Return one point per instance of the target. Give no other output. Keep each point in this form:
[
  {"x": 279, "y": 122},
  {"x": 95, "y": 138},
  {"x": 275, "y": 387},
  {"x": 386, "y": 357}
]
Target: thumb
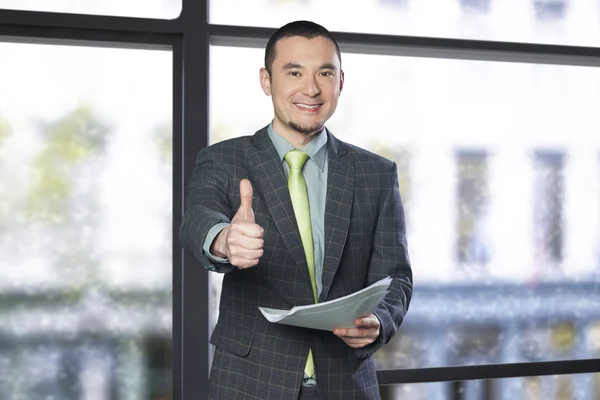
[{"x": 245, "y": 211}]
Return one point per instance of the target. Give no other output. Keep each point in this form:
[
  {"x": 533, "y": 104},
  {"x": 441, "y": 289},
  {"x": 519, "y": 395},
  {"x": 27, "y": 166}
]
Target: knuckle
[{"x": 233, "y": 238}]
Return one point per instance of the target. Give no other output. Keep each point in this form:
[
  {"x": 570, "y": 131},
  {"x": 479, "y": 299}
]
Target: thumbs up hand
[
  {"x": 245, "y": 213},
  {"x": 241, "y": 242}
]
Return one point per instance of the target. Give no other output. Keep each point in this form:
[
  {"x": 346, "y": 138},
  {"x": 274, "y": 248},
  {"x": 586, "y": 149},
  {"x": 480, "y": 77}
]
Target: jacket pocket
[{"x": 232, "y": 338}]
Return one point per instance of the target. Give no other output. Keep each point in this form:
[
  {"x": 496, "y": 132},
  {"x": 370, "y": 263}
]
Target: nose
[{"x": 311, "y": 87}]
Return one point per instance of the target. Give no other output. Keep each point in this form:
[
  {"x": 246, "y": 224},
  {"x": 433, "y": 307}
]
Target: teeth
[{"x": 307, "y": 106}]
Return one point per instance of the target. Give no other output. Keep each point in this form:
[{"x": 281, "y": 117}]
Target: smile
[{"x": 308, "y": 107}]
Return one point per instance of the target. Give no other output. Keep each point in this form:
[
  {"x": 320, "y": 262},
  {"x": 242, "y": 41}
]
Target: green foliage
[
  {"x": 163, "y": 135},
  {"x": 5, "y": 131},
  {"x": 71, "y": 140},
  {"x": 220, "y": 131}
]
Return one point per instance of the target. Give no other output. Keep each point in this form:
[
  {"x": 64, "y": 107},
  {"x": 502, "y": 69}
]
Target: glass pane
[
  {"x": 499, "y": 169},
  {"x": 558, "y": 387},
  {"x": 85, "y": 223},
  {"x": 164, "y": 9},
  {"x": 575, "y": 22}
]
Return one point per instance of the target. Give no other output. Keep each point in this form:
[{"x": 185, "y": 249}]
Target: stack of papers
[{"x": 338, "y": 313}]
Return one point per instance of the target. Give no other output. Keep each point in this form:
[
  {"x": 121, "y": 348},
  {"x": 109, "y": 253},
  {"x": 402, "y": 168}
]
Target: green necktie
[{"x": 299, "y": 195}]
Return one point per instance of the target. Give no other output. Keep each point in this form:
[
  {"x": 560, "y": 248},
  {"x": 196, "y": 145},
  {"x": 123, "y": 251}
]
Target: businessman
[{"x": 291, "y": 215}]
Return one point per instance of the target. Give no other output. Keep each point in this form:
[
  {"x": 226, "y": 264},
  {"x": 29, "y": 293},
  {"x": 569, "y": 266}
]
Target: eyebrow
[
  {"x": 293, "y": 65},
  {"x": 328, "y": 66}
]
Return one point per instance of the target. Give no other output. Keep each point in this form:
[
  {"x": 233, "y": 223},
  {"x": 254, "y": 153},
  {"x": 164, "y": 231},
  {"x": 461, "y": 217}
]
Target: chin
[{"x": 305, "y": 129}]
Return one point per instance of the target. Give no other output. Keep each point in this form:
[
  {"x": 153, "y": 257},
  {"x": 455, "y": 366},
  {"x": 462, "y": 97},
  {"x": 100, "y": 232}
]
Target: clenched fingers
[
  {"x": 247, "y": 229},
  {"x": 245, "y": 242}
]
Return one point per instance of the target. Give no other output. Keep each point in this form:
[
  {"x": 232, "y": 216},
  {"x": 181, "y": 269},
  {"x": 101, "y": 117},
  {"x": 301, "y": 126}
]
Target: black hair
[{"x": 305, "y": 29}]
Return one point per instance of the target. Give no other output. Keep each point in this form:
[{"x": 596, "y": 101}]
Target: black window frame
[{"x": 190, "y": 36}]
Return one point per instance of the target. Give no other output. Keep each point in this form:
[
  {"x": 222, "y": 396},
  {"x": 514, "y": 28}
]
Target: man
[{"x": 289, "y": 227}]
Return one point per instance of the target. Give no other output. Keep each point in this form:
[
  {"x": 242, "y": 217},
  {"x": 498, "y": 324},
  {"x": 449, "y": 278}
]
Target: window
[
  {"x": 480, "y": 6},
  {"x": 88, "y": 129},
  {"x": 473, "y": 208},
  {"x": 564, "y": 22},
  {"x": 85, "y": 222},
  {"x": 553, "y": 387},
  {"x": 550, "y": 9},
  {"x": 166, "y": 9},
  {"x": 394, "y": 3},
  {"x": 596, "y": 245},
  {"x": 548, "y": 203},
  {"x": 475, "y": 194}
]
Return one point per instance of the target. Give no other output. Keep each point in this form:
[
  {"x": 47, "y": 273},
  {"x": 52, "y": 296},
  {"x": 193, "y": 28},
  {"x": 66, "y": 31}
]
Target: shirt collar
[{"x": 316, "y": 148}]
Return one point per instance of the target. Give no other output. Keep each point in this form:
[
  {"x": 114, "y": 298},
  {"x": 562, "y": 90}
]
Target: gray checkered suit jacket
[{"x": 364, "y": 242}]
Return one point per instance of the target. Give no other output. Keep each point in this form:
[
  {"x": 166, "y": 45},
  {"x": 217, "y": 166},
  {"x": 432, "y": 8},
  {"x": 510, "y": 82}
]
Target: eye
[
  {"x": 327, "y": 73},
  {"x": 295, "y": 73}
]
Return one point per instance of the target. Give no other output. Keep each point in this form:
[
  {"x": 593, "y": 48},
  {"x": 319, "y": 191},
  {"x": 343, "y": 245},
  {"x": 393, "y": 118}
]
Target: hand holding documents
[{"x": 338, "y": 313}]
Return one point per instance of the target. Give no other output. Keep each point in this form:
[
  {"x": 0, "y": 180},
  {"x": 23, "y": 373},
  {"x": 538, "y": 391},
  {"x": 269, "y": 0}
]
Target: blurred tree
[
  {"x": 163, "y": 139},
  {"x": 159, "y": 348},
  {"x": 5, "y": 132},
  {"x": 72, "y": 141},
  {"x": 163, "y": 135},
  {"x": 61, "y": 204},
  {"x": 220, "y": 131}
]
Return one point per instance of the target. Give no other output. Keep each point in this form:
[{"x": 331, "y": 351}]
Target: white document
[{"x": 338, "y": 313}]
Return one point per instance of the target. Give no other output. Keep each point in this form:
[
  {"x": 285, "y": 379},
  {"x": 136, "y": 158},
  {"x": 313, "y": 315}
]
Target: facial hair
[{"x": 303, "y": 129}]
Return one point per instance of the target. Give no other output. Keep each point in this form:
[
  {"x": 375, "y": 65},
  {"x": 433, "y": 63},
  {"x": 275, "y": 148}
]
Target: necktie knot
[{"x": 296, "y": 158}]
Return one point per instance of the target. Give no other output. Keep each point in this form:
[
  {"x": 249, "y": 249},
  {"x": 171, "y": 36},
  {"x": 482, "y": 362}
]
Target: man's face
[{"x": 305, "y": 83}]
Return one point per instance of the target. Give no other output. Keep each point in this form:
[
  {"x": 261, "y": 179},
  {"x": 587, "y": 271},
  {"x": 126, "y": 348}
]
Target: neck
[{"x": 297, "y": 139}]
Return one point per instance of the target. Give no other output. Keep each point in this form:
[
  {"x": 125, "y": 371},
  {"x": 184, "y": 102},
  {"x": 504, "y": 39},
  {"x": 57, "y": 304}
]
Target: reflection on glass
[
  {"x": 165, "y": 9},
  {"x": 474, "y": 139},
  {"x": 557, "y": 387},
  {"x": 85, "y": 223},
  {"x": 575, "y": 22}
]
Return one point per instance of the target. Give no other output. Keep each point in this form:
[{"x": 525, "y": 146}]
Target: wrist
[{"x": 217, "y": 247}]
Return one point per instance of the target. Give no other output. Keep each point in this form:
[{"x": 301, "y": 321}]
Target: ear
[
  {"x": 341, "y": 81},
  {"x": 265, "y": 81}
]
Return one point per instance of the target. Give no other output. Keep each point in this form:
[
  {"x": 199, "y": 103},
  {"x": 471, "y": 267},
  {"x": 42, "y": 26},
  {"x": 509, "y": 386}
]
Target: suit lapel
[
  {"x": 338, "y": 208},
  {"x": 273, "y": 186}
]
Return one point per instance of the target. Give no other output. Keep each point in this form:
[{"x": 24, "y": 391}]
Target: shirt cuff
[{"x": 210, "y": 237}]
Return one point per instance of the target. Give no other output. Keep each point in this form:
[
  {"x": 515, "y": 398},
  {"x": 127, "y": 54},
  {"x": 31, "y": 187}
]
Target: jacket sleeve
[
  {"x": 207, "y": 204},
  {"x": 390, "y": 258}
]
